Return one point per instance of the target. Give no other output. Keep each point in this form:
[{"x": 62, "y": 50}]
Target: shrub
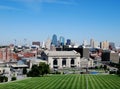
[
  {"x": 13, "y": 78},
  {"x": 57, "y": 72},
  {"x": 101, "y": 66},
  {"x": 24, "y": 71},
  {"x": 118, "y": 72},
  {"x": 96, "y": 67},
  {"x": 3, "y": 79},
  {"x": 6, "y": 79},
  {"x": 112, "y": 72}
]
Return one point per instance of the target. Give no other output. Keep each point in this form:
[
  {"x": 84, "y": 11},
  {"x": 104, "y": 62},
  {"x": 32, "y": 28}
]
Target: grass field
[{"x": 66, "y": 82}]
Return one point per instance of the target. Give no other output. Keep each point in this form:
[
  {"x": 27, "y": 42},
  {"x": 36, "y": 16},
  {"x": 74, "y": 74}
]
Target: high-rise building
[
  {"x": 48, "y": 44},
  {"x": 43, "y": 44},
  {"x": 111, "y": 45},
  {"x": 104, "y": 45},
  {"x": 58, "y": 43},
  {"x": 62, "y": 40},
  {"x": 54, "y": 40},
  {"x": 96, "y": 44},
  {"x": 68, "y": 42},
  {"x": 92, "y": 43},
  {"x": 85, "y": 42}
]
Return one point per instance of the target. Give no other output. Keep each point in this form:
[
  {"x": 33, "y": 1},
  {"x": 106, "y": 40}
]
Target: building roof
[
  {"x": 62, "y": 53},
  {"x": 34, "y": 60},
  {"x": 38, "y": 61},
  {"x": 19, "y": 66}
]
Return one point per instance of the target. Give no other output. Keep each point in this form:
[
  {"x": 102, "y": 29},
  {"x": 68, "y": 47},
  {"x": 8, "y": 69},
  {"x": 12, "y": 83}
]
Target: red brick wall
[
  {"x": 29, "y": 55},
  {"x": 1, "y": 55}
]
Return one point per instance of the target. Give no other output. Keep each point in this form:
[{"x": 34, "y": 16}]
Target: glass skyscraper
[
  {"x": 54, "y": 40},
  {"x": 62, "y": 40},
  {"x": 68, "y": 42}
]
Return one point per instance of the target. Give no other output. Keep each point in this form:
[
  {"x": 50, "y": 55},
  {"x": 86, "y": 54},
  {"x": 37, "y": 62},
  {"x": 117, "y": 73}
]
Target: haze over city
[{"x": 74, "y": 19}]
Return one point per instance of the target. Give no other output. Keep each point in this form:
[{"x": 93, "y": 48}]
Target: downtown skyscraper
[
  {"x": 54, "y": 40},
  {"x": 62, "y": 40}
]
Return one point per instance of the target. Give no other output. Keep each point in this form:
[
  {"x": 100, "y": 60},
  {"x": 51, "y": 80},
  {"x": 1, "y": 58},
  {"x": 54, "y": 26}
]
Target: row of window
[{"x": 55, "y": 62}]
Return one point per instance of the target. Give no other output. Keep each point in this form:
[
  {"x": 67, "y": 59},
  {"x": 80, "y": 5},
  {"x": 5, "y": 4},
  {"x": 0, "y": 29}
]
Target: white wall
[{"x": 68, "y": 62}]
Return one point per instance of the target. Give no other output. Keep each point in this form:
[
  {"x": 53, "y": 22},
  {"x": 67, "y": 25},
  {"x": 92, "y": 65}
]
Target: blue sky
[{"x": 36, "y": 20}]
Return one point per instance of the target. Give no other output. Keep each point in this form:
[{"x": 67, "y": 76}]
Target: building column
[
  {"x": 68, "y": 62},
  {"x": 50, "y": 62},
  {"x": 60, "y": 63},
  {"x": 77, "y": 62}
]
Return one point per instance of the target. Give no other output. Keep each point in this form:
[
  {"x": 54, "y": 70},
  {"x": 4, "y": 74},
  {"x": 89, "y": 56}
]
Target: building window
[
  {"x": 55, "y": 62},
  {"x": 64, "y": 62},
  {"x": 72, "y": 61}
]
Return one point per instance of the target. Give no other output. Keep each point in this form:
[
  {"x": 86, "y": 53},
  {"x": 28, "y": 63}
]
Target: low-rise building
[{"x": 114, "y": 57}]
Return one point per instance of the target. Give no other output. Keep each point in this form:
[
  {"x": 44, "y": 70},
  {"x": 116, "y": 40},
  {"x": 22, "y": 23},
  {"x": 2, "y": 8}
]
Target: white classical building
[
  {"x": 61, "y": 59},
  {"x": 65, "y": 59}
]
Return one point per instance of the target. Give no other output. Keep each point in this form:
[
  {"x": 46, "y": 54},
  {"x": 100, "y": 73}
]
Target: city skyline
[{"x": 78, "y": 20}]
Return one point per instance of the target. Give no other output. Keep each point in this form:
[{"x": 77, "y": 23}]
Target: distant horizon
[
  {"x": 28, "y": 42},
  {"x": 78, "y": 20}
]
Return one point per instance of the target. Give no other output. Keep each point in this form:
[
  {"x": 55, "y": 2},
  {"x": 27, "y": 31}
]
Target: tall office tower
[
  {"x": 54, "y": 40},
  {"x": 104, "y": 45},
  {"x": 43, "y": 44},
  {"x": 96, "y": 44},
  {"x": 68, "y": 42},
  {"x": 85, "y": 42},
  {"x": 48, "y": 44},
  {"x": 62, "y": 40},
  {"x": 92, "y": 43}
]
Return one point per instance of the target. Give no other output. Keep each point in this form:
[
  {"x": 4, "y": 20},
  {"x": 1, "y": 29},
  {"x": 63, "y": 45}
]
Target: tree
[
  {"x": 43, "y": 68},
  {"x": 34, "y": 71},
  {"x": 105, "y": 67},
  {"x": 101, "y": 67},
  {"x": 39, "y": 70}
]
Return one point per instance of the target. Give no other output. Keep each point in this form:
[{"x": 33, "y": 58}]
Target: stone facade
[
  {"x": 62, "y": 59},
  {"x": 114, "y": 57}
]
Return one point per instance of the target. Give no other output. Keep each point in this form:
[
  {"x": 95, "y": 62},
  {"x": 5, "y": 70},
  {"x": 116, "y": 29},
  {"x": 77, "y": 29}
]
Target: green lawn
[{"x": 66, "y": 82}]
